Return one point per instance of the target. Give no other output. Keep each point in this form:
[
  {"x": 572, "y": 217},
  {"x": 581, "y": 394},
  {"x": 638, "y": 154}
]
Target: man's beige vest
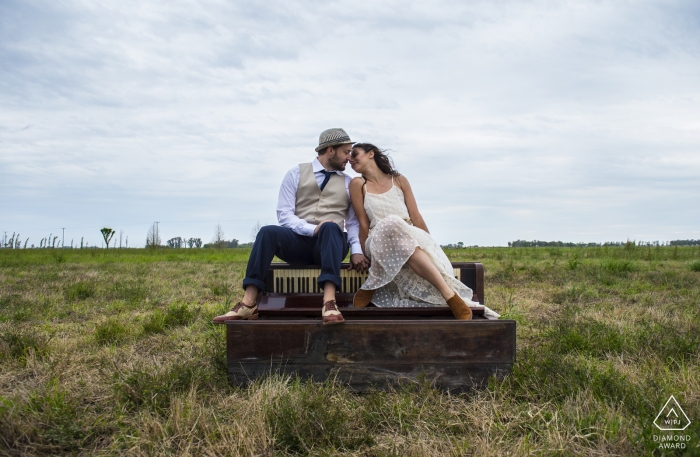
[{"x": 315, "y": 206}]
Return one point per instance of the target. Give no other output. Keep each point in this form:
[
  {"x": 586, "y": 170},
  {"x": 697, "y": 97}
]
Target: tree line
[{"x": 561, "y": 244}]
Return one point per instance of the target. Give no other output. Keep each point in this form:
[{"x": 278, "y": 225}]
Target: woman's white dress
[{"x": 392, "y": 240}]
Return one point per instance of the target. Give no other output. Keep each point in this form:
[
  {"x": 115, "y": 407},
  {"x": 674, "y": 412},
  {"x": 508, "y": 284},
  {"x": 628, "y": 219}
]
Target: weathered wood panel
[
  {"x": 366, "y": 353},
  {"x": 454, "y": 377},
  {"x": 309, "y": 305}
]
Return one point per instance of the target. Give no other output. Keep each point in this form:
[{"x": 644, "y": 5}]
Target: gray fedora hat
[{"x": 332, "y": 137}]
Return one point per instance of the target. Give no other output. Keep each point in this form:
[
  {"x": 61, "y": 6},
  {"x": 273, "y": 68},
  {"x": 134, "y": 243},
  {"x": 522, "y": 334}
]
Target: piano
[{"x": 375, "y": 348}]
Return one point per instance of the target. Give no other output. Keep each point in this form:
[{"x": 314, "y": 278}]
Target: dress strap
[
  {"x": 395, "y": 182},
  {"x": 364, "y": 191}
]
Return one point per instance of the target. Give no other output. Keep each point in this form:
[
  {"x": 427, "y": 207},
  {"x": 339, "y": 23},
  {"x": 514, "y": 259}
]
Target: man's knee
[
  {"x": 268, "y": 232},
  {"x": 330, "y": 229}
]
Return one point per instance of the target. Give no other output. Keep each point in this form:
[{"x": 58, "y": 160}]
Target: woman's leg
[
  {"x": 421, "y": 264},
  {"x": 424, "y": 267}
]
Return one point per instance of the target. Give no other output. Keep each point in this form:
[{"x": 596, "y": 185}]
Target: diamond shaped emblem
[{"x": 672, "y": 416}]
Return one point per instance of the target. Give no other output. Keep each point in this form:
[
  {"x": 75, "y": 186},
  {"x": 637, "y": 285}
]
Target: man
[{"x": 313, "y": 208}]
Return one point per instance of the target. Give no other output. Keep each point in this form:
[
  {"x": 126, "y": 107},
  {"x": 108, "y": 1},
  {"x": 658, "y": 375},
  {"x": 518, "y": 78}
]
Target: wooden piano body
[{"x": 375, "y": 347}]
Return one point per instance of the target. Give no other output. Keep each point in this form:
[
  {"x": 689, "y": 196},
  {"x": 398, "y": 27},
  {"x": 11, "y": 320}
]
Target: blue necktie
[{"x": 325, "y": 180}]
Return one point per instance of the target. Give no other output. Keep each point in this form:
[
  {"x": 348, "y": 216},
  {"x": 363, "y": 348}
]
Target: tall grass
[{"x": 112, "y": 353}]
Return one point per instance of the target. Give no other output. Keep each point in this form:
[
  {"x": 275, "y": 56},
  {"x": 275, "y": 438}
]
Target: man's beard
[{"x": 335, "y": 163}]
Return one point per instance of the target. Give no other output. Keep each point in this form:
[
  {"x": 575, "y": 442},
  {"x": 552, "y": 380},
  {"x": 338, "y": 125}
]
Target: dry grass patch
[{"x": 112, "y": 353}]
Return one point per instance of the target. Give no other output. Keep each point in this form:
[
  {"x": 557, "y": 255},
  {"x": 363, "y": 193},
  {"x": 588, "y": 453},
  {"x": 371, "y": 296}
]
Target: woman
[{"x": 394, "y": 236}]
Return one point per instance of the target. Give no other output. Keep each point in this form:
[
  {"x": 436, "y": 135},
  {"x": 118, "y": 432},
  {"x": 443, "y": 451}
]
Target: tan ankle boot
[
  {"x": 362, "y": 298},
  {"x": 459, "y": 308}
]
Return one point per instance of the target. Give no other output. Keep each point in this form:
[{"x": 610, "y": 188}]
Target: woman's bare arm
[
  {"x": 410, "y": 200},
  {"x": 358, "y": 199}
]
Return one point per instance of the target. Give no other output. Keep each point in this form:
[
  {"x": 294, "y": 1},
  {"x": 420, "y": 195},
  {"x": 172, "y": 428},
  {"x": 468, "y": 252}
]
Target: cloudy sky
[{"x": 551, "y": 120}]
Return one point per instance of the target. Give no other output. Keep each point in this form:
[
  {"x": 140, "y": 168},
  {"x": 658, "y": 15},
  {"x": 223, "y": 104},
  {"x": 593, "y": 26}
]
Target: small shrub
[
  {"x": 153, "y": 388},
  {"x": 111, "y": 332},
  {"x": 61, "y": 419},
  {"x": 695, "y": 265},
  {"x": 589, "y": 337},
  {"x": 131, "y": 291},
  {"x": 155, "y": 323},
  {"x": 555, "y": 252},
  {"x": 575, "y": 293},
  {"x": 22, "y": 314},
  {"x": 179, "y": 315},
  {"x": 15, "y": 308},
  {"x": 311, "y": 416},
  {"x": 58, "y": 256},
  {"x": 10, "y": 301},
  {"x": 219, "y": 288},
  {"x": 18, "y": 343},
  {"x": 618, "y": 265},
  {"x": 176, "y": 315},
  {"x": 79, "y": 291},
  {"x": 574, "y": 262}
]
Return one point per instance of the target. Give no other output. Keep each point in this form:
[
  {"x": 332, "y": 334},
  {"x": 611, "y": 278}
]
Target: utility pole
[
  {"x": 4, "y": 240},
  {"x": 63, "y": 237}
]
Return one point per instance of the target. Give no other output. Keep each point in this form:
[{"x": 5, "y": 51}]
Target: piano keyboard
[{"x": 304, "y": 281}]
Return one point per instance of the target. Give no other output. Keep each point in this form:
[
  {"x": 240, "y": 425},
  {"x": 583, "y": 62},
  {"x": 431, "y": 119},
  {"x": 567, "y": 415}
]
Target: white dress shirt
[{"x": 286, "y": 206}]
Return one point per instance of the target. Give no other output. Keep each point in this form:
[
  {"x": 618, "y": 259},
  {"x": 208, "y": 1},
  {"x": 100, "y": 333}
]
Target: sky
[{"x": 551, "y": 120}]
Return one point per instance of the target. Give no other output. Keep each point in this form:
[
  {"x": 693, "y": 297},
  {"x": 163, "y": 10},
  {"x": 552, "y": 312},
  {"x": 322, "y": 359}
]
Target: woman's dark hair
[{"x": 384, "y": 162}]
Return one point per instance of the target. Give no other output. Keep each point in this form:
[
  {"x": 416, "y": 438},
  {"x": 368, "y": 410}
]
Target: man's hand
[
  {"x": 319, "y": 226},
  {"x": 359, "y": 262}
]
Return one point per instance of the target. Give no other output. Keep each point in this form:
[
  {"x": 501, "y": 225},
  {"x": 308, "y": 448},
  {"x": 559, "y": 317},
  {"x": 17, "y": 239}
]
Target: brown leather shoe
[
  {"x": 239, "y": 312},
  {"x": 330, "y": 313},
  {"x": 362, "y": 298},
  {"x": 460, "y": 309}
]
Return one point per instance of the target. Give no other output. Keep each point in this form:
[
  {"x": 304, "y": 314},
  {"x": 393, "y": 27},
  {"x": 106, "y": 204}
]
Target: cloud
[{"x": 511, "y": 119}]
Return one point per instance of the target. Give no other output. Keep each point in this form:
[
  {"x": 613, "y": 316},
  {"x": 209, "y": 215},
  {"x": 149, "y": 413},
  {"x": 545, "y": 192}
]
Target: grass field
[{"x": 112, "y": 353}]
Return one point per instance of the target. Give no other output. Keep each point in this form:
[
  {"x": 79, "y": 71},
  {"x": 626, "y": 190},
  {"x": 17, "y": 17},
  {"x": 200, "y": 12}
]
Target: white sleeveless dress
[{"x": 392, "y": 240}]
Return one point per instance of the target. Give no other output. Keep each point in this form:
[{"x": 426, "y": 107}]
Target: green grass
[{"x": 112, "y": 353}]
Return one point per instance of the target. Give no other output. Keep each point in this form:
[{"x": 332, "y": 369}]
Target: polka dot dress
[{"x": 392, "y": 240}]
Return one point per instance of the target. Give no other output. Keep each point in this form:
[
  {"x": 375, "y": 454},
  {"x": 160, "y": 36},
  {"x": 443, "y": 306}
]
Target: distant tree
[
  {"x": 153, "y": 237},
  {"x": 218, "y": 239},
  {"x": 107, "y": 234},
  {"x": 25, "y": 243},
  {"x": 194, "y": 242},
  {"x": 254, "y": 231},
  {"x": 684, "y": 242},
  {"x": 176, "y": 242}
]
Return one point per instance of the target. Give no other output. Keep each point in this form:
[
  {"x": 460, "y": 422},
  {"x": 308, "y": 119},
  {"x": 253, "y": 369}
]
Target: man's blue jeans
[{"x": 326, "y": 250}]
